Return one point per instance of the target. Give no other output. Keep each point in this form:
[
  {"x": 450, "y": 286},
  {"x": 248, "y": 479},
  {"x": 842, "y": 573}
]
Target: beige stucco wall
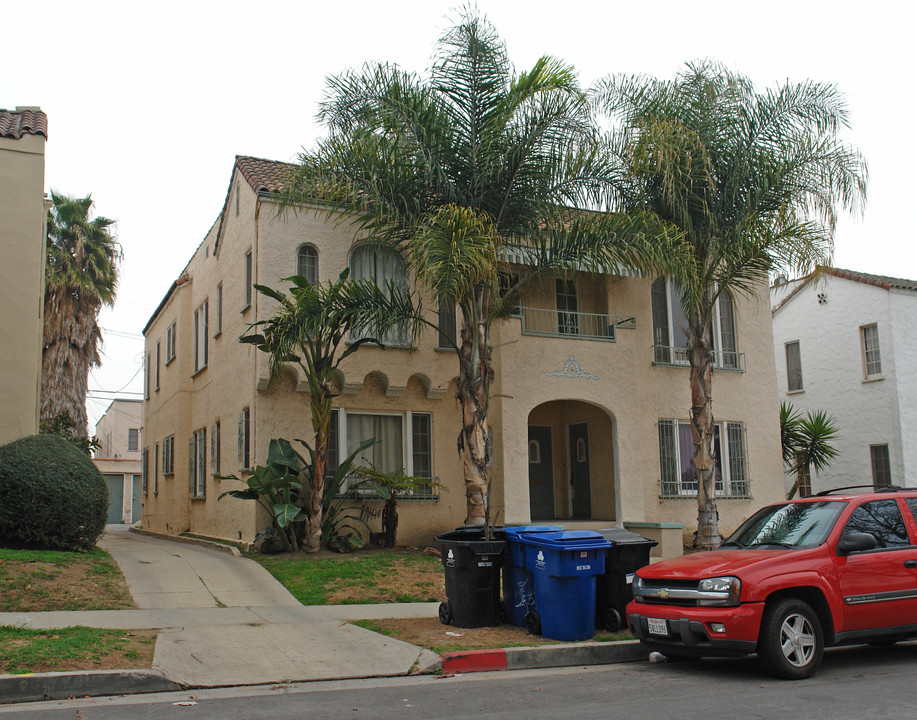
[
  {"x": 634, "y": 394},
  {"x": 622, "y": 403},
  {"x": 22, "y": 238}
]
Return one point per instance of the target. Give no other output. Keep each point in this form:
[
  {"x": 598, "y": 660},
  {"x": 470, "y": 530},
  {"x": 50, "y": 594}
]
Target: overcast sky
[{"x": 149, "y": 103}]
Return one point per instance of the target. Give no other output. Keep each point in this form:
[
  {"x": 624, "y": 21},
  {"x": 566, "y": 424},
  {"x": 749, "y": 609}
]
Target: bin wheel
[
  {"x": 612, "y": 620},
  {"x": 445, "y": 613},
  {"x": 533, "y": 623}
]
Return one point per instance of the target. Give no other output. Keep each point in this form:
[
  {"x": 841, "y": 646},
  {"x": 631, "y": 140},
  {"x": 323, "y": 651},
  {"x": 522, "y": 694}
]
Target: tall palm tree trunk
[
  {"x": 708, "y": 536},
  {"x": 71, "y": 337},
  {"x": 474, "y": 440},
  {"x": 320, "y": 406}
]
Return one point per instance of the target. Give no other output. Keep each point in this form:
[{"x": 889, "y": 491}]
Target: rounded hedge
[{"x": 51, "y": 495}]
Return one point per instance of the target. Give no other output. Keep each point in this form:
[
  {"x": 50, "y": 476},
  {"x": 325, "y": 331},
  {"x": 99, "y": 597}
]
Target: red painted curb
[{"x": 474, "y": 661}]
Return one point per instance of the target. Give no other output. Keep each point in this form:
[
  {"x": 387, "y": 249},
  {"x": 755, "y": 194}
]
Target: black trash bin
[
  {"x": 628, "y": 553},
  {"x": 472, "y": 569}
]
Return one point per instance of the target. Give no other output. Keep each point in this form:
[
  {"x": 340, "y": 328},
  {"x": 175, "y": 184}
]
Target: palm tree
[
  {"x": 314, "y": 327},
  {"x": 753, "y": 180},
  {"x": 455, "y": 168},
  {"x": 81, "y": 274},
  {"x": 806, "y": 443}
]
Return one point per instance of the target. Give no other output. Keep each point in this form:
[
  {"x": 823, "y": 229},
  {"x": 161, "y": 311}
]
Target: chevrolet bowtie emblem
[{"x": 663, "y": 593}]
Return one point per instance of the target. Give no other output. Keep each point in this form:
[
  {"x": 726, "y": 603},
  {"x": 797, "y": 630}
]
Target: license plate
[{"x": 657, "y": 626}]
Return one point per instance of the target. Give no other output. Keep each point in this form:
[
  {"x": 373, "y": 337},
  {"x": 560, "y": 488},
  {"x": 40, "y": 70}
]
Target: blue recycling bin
[
  {"x": 564, "y": 566},
  {"x": 518, "y": 581}
]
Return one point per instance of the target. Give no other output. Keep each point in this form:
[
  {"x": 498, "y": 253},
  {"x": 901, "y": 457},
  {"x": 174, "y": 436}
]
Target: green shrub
[{"x": 51, "y": 495}]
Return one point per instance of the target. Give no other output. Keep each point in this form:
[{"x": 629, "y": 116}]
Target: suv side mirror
[{"x": 856, "y": 542}]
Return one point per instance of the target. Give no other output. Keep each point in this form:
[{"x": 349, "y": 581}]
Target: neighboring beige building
[
  {"x": 589, "y": 406},
  {"x": 23, "y": 218},
  {"x": 118, "y": 458}
]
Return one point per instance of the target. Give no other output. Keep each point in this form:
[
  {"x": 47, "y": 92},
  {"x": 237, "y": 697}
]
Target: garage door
[{"x": 115, "y": 497}]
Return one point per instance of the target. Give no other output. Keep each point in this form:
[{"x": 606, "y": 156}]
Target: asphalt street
[{"x": 854, "y": 683}]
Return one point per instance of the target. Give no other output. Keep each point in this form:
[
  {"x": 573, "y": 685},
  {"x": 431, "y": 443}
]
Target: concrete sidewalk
[{"x": 224, "y": 620}]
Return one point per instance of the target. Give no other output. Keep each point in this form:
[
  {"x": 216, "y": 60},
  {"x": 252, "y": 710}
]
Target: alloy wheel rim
[{"x": 797, "y": 640}]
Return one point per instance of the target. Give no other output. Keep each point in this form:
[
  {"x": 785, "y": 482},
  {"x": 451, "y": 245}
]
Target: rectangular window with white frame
[
  {"x": 670, "y": 328},
  {"x": 201, "y": 336},
  {"x": 133, "y": 439},
  {"x": 872, "y": 360},
  {"x": 676, "y": 460},
  {"x": 170, "y": 343},
  {"x": 247, "y": 289},
  {"x": 219, "y": 328},
  {"x": 403, "y": 442},
  {"x": 793, "y": 367},
  {"x": 197, "y": 464}
]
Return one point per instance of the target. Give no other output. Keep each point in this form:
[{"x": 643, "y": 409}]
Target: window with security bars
[
  {"x": 168, "y": 455},
  {"x": 676, "y": 460},
  {"x": 881, "y": 465},
  {"x": 872, "y": 359}
]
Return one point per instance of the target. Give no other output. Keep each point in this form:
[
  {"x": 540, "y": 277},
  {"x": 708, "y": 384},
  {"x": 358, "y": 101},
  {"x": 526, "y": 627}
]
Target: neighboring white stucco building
[
  {"x": 118, "y": 458},
  {"x": 846, "y": 343}
]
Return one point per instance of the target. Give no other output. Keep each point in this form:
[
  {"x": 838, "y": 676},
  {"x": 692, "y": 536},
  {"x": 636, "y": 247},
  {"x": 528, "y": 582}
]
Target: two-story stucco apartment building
[
  {"x": 590, "y": 400},
  {"x": 118, "y": 458}
]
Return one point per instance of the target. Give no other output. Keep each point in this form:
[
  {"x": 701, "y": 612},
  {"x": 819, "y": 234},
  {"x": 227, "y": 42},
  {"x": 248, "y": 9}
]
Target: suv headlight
[{"x": 719, "y": 591}]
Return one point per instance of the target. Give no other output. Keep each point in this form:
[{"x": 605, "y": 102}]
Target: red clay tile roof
[
  {"x": 263, "y": 175},
  {"x": 23, "y": 121},
  {"x": 883, "y": 281}
]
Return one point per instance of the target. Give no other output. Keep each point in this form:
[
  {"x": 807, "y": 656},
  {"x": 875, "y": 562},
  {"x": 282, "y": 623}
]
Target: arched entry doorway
[{"x": 571, "y": 462}]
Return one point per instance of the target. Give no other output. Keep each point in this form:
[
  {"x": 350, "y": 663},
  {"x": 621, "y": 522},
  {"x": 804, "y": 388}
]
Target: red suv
[{"x": 837, "y": 568}]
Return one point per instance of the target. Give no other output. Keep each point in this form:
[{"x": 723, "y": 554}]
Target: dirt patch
[
  {"x": 431, "y": 633},
  {"x": 407, "y": 580},
  {"x": 29, "y": 586}
]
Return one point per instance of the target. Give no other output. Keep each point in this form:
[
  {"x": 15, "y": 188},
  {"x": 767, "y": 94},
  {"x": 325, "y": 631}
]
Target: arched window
[
  {"x": 307, "y": 263},
  {"x": 385, "y": 267}
]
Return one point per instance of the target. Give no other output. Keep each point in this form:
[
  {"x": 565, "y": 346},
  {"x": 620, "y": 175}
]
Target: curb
[
  {"x": 92, "y": 683},
  {"x": 545, "y": 656}
]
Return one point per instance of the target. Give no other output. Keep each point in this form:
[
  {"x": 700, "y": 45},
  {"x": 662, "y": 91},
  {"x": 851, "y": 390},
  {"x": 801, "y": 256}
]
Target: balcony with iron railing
[
  {"x": 727, "y": 360},
  {"x": 544, "y": 322}
]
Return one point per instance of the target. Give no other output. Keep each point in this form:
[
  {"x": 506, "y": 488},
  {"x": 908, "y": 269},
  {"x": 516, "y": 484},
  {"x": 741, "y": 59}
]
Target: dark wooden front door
[
  {"x": 541, "y": 473},
  {"x": 579, "y": 471}
]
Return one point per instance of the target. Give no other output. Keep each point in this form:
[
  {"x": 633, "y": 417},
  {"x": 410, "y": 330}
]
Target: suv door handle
[{"x": 910, "y": 563}]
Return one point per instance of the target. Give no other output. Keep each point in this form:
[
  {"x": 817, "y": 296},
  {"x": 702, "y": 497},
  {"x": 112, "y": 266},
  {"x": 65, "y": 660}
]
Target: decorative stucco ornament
[{"x": 573, "y": 371}]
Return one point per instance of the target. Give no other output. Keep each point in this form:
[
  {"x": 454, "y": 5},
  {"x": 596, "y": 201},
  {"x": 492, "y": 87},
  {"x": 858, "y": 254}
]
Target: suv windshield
[{"x": 799, "y": 524}]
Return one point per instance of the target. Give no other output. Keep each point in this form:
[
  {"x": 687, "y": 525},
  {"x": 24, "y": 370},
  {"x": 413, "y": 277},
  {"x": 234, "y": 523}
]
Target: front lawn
[
  {"x": 36, "y": 580},
  {"x": 369, "y": 576},
  {"x": 25, "y": 650}
]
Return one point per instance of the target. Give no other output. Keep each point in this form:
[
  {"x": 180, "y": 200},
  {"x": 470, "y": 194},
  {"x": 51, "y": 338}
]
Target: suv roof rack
[{"x": 873, "y": 488}]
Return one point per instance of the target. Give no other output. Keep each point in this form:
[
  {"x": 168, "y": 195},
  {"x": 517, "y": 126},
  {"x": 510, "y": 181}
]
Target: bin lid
[
  {"x": 566, "y": 540},
  {"x": 514, "y": 532},
  {"x": 620, "y": 536}
]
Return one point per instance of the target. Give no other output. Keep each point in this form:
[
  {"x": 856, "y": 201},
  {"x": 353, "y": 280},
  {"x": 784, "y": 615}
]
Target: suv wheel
[{"x": 791, "y": 644}]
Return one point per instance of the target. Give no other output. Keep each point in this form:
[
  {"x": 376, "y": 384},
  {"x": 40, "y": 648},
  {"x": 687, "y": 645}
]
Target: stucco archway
[{"x": 571, "y": 453}]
